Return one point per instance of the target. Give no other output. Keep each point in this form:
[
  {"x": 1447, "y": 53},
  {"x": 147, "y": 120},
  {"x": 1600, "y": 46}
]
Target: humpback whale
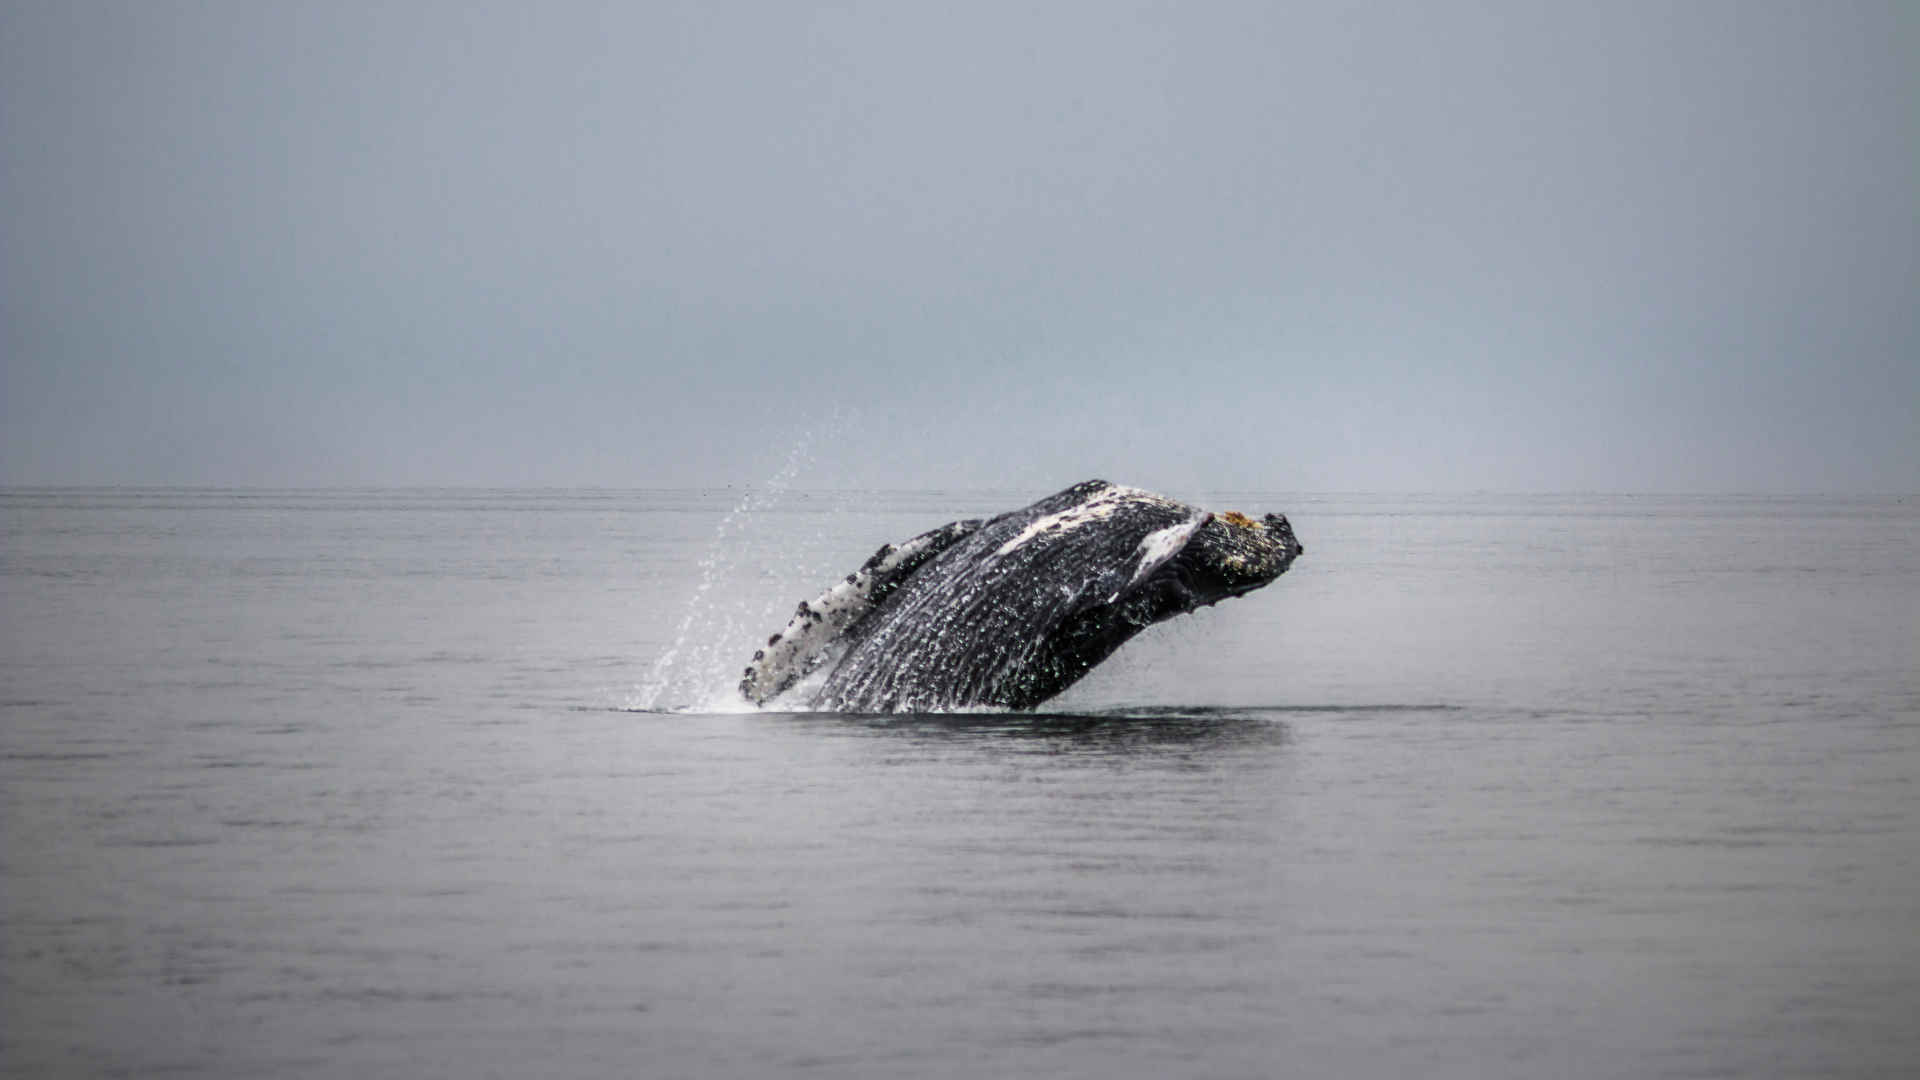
[{"x": 1009, "y": 611}]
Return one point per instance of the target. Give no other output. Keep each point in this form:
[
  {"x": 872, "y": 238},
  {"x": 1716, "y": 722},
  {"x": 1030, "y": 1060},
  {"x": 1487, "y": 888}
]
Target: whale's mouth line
[{"x": 1238, "y": 591}]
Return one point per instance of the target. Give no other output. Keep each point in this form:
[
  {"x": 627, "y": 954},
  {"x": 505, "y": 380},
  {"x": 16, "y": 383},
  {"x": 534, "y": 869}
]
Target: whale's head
[{"x": 1231, "y": 554}]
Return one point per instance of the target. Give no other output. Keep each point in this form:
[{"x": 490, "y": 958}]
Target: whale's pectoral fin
[{"x": 818, "y": 628}]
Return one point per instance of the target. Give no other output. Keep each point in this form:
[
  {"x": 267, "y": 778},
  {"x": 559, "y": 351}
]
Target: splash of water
[{"x": 698, "y": 671}]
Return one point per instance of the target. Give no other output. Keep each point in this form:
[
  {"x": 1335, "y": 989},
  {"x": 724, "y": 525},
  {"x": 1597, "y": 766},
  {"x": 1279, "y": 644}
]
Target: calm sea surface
[{"x": 449, "y": 783}]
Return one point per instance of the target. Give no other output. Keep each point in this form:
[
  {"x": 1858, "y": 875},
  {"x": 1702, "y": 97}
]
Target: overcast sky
[{"x": 1430, "y": 246}]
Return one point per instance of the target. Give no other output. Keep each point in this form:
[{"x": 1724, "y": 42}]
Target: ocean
[{"x": 455, "y": 783}]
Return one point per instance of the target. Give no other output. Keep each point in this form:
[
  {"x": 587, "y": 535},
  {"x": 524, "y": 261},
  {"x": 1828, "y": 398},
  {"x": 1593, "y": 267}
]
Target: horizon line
[{"x": 956, "y": 489}]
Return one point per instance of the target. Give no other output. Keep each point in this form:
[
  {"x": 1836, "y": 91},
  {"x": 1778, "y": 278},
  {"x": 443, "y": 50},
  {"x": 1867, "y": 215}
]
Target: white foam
[{"x": 697, "y": 661}]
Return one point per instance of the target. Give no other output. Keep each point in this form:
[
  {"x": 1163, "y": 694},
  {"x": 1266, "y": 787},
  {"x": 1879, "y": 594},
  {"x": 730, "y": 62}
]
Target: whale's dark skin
[{"x": 1010, "y": 611}]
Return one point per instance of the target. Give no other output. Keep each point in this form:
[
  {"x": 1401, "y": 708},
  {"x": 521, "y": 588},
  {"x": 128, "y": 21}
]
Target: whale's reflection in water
[
  {"x": 1105, "y": 731},
  {"x": 1124, "y": 729}
]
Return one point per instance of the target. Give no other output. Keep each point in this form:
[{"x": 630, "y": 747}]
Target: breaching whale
[{"x": 1011, "y": 610}]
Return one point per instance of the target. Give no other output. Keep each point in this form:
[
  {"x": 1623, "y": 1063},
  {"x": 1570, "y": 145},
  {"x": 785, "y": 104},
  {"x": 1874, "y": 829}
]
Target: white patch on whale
[
  {"x": 1158, "y": 546},
  {"x": 1097, "y": 508}
]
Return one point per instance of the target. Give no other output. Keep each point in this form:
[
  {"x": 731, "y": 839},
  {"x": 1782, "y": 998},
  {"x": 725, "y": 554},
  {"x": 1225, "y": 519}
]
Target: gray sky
[{"x": 1620, "y": 246}]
